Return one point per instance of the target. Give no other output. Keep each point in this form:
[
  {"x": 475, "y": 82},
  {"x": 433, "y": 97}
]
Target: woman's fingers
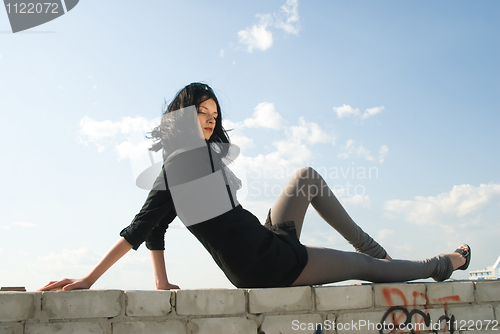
[
  {"x": 56, "y": 285},
  {"x": 79, "y": 284},
  {"x": 71, "y": 286},
  {"x": 46, "y": 285},
  {"x": 50, "y": 286},
  {"x": 66, "y": 284}
]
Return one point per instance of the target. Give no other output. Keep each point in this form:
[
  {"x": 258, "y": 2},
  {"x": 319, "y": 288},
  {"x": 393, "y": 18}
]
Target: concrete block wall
[{"x": 411, "y": 307}]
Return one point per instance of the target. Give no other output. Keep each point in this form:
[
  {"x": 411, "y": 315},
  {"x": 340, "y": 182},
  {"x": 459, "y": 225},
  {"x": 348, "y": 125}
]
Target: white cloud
[
  {"x": 288, "y": 19},
  {"x": 293, "y": 150},
  {"x": 230, "y": 125},
  {"x": 346, "y": 111},
  {"x": 65, "y": 261},
  {"x": 242, "y": 141},
  {"x": 382, "y": 153},
  {"x": 448, "y": 229},
  {"x": 357, "y": 200},
  {"x": 25, "y": 224},
  {"x": 130, "y": 150},
  {"x": 288, "y": 154},
  {"x": 236, "y": 135},
  {"x": 257, "y": 36},
  {"x": 384, "y": 234},
  {"x": 100, "y": 133},
  {"x": 221, "y": 53},
  {"x": 372, "y": 111},
  {"x": 135, "y": 260},
  {"x": 349, "y": 150},
  {"x": 0, "y": 56},
  {"x": 264, "y": 116},
  {"x": 310, "y": 132},
  {"x": 95, "y": 130},
  {"x": 404, "y": 250},
  {"x": 462, "y": 201},
  {"x": 22, "y": 224},
  {"x": 282, "y": 162}
]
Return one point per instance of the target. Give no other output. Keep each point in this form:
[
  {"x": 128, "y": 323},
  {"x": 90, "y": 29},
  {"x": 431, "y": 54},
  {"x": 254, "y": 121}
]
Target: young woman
[{"x": 196, "y": 185}]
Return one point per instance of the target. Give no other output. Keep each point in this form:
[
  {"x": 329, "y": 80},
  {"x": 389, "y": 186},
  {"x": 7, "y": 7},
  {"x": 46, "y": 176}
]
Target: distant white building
[{"x": 492, "y": 272}]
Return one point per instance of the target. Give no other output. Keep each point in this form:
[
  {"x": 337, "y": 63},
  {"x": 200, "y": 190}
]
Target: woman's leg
[
  {"x": 329, "y": 265},
  {"x": 307, "y": 186}
]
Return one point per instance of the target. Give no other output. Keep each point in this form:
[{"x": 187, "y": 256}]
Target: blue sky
[{"x": 406, "y": 90}]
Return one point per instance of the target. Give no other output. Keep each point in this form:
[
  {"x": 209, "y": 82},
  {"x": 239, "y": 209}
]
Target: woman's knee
[
  {"x": 305, "y": 182},
  {"x": 307, "y": 173}
]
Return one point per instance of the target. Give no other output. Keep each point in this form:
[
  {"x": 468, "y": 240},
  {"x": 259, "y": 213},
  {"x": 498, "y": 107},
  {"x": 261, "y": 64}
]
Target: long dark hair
[{"x": 195, "y": 94}]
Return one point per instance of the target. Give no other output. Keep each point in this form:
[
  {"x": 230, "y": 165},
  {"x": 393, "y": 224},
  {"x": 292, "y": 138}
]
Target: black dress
[{"x": 251, "y": 255}]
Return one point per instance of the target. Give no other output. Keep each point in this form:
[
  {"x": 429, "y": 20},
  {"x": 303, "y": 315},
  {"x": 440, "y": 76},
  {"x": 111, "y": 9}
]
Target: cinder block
[
  {"x": 359, "y": 322},
  {"x": 488, "y": 291},
  {"x": 343, "y": 297},
  {"x": 16, "y": 306},
  {"x": 65, "y": 328},
  {"x": 210, "y": 302},
  {"x": 497, "y": 313},
  {"x": 401, "y": 294},
  {"x": 148, "y": 303},
  {"x": 150, "y": 327},
  {"x": 81, "y": 304},
  {"x": 234, "y": 325},
  {"x": 450, "y": 292},
  {"x": 471, "y": 315},
  {"x": 292, "y": 324},
  {"x": 280, "y": 299},
  {"x": 6, "y": 330},
  {"x": 15, "y": 328}
]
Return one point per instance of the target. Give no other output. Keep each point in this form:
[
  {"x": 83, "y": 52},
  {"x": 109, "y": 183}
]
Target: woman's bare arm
[
  {"x": 113, "y": 255},
  {"x": 160, "y": 271}
]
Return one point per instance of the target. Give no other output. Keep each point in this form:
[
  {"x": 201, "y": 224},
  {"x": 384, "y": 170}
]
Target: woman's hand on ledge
[
  {"x": 166, "y": 286},
  {"x": 67, "y": 284}
]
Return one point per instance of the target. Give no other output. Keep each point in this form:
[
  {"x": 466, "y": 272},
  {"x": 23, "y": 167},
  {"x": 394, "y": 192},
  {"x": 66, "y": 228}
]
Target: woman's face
[{"x": 207, "y": 114}]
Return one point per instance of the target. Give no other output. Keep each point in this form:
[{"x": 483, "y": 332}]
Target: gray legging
[{"x": 329, "y": 265}]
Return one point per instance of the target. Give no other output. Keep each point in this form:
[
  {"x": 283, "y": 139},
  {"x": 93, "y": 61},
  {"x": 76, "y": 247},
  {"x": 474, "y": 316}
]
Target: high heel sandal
[{"x": 465, "y": 252}]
